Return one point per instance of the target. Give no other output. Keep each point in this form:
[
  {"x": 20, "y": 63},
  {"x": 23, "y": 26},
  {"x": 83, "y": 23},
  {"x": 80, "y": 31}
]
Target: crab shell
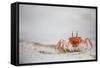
[{"x": 75, "y": 41}]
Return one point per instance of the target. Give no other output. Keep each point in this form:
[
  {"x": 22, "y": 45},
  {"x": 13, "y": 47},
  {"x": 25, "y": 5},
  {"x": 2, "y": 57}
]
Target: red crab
[{"x": 74, "y": 41}]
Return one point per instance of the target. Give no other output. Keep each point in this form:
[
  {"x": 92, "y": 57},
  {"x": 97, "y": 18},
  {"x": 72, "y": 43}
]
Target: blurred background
[{"x": 48, "y": 24}]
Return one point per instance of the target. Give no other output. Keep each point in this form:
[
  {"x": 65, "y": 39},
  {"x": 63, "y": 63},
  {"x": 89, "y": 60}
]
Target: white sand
[{"x": 36, "y": 53}]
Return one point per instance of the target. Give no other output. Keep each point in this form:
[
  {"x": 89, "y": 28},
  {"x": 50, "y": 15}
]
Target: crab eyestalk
[
  {"x": 77, "y": 34},
  {"x": 72, "y": 34}
]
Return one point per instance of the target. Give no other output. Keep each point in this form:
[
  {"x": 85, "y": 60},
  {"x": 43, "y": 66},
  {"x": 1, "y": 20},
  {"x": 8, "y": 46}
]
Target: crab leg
[
  {"x": 60, "y": 44},
  {"x": 86, "y": 42}
]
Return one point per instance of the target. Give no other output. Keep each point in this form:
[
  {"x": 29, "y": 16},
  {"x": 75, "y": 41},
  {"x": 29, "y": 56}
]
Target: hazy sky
[{"x": 47, "y": 24}]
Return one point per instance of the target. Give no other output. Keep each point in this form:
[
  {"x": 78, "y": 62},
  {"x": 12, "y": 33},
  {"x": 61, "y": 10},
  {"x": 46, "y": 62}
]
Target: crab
[{"x": 73, "y": 43}]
